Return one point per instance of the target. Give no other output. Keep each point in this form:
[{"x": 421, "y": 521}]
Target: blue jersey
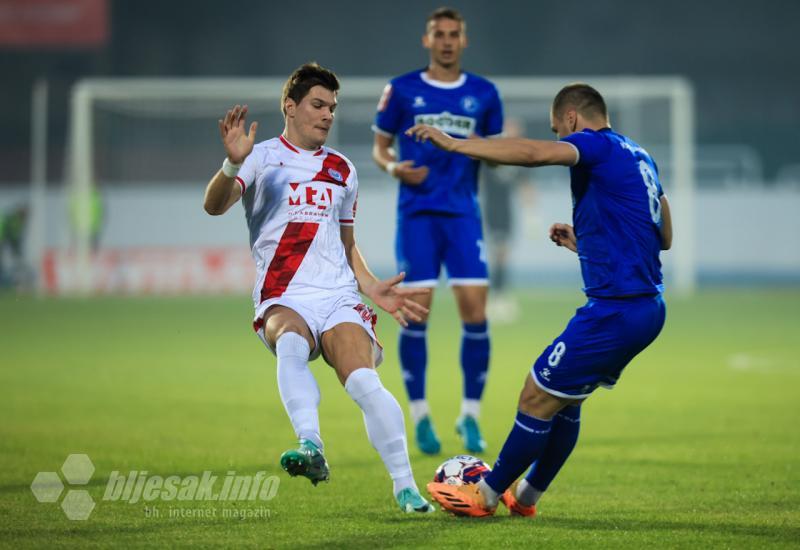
[
  {"x": 469, "y": 106},
  {"x": 616, "y": 214}
]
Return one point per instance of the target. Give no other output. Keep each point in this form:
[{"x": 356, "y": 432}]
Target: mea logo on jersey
[{"x": 309, "y": 194}]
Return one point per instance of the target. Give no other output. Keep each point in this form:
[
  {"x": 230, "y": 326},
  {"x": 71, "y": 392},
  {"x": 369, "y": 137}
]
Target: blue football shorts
[
  {"x": 599, "y": 341},
  {"x": 426, "y": 241}
]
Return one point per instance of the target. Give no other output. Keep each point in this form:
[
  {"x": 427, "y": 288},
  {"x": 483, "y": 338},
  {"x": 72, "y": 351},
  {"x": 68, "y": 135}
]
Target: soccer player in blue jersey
[
  {"x": 621, "y": 222},
  {"x": 438, "y": 217}
]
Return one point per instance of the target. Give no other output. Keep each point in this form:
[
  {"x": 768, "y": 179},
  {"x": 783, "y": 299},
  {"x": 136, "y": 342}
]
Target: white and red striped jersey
[{"x": 295, "y": 202}]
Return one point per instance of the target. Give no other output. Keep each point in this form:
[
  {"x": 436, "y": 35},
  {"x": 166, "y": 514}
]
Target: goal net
[{"x": 142, "y": 150}]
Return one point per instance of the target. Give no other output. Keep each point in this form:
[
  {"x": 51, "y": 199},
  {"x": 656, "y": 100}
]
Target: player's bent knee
[
  {"x": 534, "y": 401},
  {"x": 283, "y": 321},
  {"x": 347, "y": 347}
]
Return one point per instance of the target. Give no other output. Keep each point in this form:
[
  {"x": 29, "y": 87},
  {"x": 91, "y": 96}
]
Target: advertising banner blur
[
  {"x": 38, "y": 23},
  {"x": 159, "y": 271}
]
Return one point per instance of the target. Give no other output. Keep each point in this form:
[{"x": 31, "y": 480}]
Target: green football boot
[
  {"x": 425, "y": 436},
  {"x": 411, "y": 502},
  {"x": 467, "y": 428},
  {"x": 307, "y": 461}
]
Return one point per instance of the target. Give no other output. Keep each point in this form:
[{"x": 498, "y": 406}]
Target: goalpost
[{"x": 109, "y": 142}]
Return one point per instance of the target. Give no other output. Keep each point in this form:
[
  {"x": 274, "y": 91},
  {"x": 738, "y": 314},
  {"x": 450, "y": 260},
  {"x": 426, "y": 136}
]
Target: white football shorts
[{"x": 322, "y": 312}]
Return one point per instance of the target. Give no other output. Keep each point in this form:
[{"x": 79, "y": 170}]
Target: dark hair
[
  {"x": 581, "y": 97},
  {"x": 445, "y": 13},
  {"x": 304, "y": 78}
]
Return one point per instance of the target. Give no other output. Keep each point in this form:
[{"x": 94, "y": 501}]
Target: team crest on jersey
[
  {"x": 469, "y": 103},
  {"x": 455, "y": 125},
  {"x": 334, "y": 170},
  {"x": 335, "y": 174},
  {"x": 419, "y": 102}
]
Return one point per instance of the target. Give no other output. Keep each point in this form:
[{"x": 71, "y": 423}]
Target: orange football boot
[
  {"x": 461, "y": 500},
  {"x": 509, "y": 498}
]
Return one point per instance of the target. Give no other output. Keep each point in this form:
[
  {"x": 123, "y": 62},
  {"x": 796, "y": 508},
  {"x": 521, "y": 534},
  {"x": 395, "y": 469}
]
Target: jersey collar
[
  {"x": 288, "y": 144},
  {"x": 443, "y": 85}
]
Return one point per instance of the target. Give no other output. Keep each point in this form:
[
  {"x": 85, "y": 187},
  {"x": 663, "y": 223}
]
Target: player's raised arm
[
  {"x": 517, "y": 151},
  {"x": 223, "y": 190},
  {"x": 384, "y": 294}
]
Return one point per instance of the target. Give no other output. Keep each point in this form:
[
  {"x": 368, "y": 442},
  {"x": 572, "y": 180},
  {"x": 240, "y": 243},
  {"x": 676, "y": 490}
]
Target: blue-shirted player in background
[
  {"x": 621, "y": 223},
  {"x": 438, "y": 214}
]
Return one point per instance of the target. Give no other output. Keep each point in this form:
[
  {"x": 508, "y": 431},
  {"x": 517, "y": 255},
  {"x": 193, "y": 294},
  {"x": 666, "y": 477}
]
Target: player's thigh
[
  {"x": 464, "y": 251},
  {"x": 597, "y": 344},
  {"x": 584, "y": 356},
  {"x": 418, "y": 250},
  {"x": 471, "y": 300},
  {"x": 278, "y": 320},
  {"x": 347, "y": 347},
  {"x": 644, "y": 321}
]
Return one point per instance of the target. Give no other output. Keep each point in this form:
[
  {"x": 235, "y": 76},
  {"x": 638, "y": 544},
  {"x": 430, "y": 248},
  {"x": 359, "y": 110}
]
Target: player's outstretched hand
[
  {"x": 237, "y": 143},
  {"x": 406, "y": 172},
  {"x": 564, "y": 235},
  {"x": 397, "y": 300},
  {"x": 423, "y": 132}
]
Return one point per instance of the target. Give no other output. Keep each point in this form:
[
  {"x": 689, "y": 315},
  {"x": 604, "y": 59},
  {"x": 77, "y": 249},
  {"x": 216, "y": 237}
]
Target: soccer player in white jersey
[{"x": 299, "y": 199}]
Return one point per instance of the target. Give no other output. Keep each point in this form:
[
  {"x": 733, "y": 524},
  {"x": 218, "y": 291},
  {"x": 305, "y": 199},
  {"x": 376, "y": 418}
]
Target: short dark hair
[
  {"x": 581, "y": 97},
  {"x": 306, "y": 77},
  {"x": 445, "y": 13}
]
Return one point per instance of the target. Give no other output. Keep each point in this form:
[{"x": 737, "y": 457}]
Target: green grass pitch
[{"x": 697, "y": 447}]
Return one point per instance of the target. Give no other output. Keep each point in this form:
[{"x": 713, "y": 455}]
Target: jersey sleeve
[
  {"x": 251, "y": 168},
  {"x": 591, "y": 147},
  {"x": 389, "y": 115},
  {"x": 347, "y": 215},
  {"x": 658, "y": 178},
  {"x": 494, "y": 115}
]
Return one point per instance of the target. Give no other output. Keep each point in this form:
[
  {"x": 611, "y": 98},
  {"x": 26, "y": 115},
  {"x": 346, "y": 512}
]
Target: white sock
[
  {"x": 471, "y": 407},
  {"x": 489, "y": 495},
  {"x": 386, "y": 429},
  {"x": 419, "y": 409},
  {"x": 298, "y": 387},
  {"x": 526, "y": 494}
]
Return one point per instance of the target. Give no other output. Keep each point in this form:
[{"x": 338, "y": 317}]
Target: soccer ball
[{"x": 461, "y": 470}]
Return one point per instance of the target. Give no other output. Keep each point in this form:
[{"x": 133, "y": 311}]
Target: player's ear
[
  {"x": 572, "y": 119},
  {"x": 426, "y": 43},
  {"x": 289, "y": 107}
]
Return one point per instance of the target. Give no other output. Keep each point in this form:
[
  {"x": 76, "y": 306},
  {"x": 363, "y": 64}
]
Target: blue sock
[
  {"x": 413, "y": 351},
  {"x": 524, "y": 444},
  {"x": 563, "y": 437},
  {"x": 474, "y": 358}
]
